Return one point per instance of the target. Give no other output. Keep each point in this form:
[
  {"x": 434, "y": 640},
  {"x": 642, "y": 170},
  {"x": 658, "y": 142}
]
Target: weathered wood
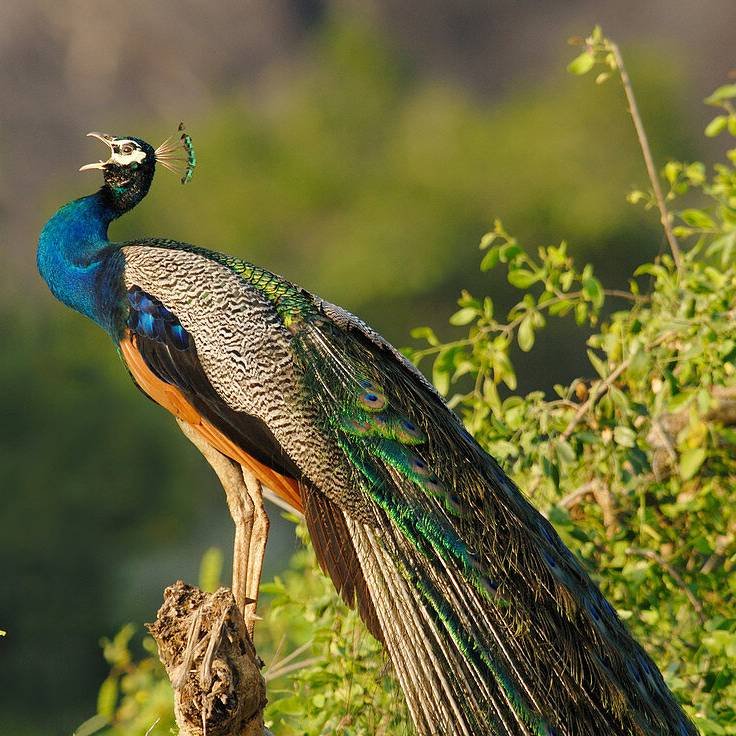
[{"x": 204, "y": 645}]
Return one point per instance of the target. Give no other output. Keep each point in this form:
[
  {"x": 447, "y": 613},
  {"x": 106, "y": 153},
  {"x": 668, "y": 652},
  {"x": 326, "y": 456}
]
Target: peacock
[{"x": 490, "y": 622}]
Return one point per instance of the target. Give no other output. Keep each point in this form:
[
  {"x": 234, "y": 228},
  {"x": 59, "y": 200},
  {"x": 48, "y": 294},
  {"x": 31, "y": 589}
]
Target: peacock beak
[{"x": 107, "y": 140}]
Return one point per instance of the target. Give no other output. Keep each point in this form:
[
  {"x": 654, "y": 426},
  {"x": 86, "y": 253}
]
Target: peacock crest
[{"x": 177, "y": 154}]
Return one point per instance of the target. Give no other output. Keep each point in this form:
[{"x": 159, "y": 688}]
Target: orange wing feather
[{"x": 173, "y": 400}]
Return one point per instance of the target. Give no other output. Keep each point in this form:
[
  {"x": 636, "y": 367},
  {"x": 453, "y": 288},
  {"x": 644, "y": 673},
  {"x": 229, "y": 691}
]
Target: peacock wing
[{"x": 163, "y": 358}]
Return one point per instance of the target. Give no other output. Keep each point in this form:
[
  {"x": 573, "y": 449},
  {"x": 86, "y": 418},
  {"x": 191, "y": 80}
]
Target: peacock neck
[{"x": 71, "y": 252}]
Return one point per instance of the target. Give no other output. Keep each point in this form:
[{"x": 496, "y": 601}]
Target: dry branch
[{"x": 211, "y": 662}]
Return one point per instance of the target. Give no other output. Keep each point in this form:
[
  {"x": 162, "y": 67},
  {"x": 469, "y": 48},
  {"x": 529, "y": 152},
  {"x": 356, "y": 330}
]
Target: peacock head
[{"x": 129, "y": 171}]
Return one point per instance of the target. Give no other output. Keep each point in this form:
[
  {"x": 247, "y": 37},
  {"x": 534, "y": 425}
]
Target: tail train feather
[{"x": 491, "y": 623}]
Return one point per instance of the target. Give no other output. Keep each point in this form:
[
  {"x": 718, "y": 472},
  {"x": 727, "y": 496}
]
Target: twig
[
  {"x": 604, "y": 498},
  {"x": 621, "y": 294},
  {"x": 274, "y": 499},
  {"x": 573, "y": 498},
  {"x": 293, "y": 667},
  {"x": 182, "y": 671},
  {"x": 598, "y": 390},
  {"x": 648, "y": 554},
  {"x": 647, "y": 153},
  {"x": 288, "y": 658},
  {"x": 205, "y": 672}
]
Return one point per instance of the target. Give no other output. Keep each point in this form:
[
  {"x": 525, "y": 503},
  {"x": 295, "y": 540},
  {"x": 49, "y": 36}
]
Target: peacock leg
[
  {"x": 241, "y": 510},
  {"x": 257, "y": 547}
]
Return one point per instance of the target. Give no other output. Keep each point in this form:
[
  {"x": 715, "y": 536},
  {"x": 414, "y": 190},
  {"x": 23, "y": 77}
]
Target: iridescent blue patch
[{"x": 150, "y": 318}]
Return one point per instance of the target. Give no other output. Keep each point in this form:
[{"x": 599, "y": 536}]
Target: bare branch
[
  {"x": 204, "y": 645},
  {"x": 293, "y": 667},
  {"x": 575, "y": 497},
  {"x": 641, "y": 134}
]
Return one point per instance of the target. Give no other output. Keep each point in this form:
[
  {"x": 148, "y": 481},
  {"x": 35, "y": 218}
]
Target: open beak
[{"x": 107, "y": 140}]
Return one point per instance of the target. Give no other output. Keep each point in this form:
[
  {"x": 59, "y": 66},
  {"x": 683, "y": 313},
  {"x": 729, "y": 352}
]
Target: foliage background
[{"x": 335, "y": 140}]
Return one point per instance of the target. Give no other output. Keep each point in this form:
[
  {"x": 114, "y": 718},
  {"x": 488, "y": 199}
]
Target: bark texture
[{"x": 211, "y": 662}]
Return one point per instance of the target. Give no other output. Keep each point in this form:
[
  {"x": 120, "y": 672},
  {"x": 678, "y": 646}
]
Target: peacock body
[{"x": 492, "y": 625}]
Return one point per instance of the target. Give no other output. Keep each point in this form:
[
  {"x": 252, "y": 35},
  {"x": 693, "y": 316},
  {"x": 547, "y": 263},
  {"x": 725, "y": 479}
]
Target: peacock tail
[{"x": 498, "y": 628}]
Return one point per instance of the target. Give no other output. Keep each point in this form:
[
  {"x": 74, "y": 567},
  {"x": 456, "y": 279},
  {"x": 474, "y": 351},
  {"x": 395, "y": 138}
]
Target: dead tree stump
[{"x": 211, "y": 662}]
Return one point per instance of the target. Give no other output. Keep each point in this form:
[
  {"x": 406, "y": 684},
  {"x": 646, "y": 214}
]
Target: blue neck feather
[{"x": 71, "y": 254}]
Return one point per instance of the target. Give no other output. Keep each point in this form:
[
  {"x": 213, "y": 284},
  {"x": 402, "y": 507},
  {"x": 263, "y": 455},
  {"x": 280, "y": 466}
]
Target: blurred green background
[{"x": 358, "y": 148}]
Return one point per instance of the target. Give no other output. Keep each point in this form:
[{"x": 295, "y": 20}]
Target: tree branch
[
  {"x": 641, "y": 134},
  {"x": 211, "y": 662},
  {"x": 575, "y": 497}
]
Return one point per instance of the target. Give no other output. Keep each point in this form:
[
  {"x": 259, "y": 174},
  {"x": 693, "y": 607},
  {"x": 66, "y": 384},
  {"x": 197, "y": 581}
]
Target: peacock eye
[{"x": 127, "y": 149}]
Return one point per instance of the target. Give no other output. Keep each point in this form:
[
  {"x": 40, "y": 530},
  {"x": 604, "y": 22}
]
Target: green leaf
[
  {"x": 521, "y": 278},
  {"x": 697, "y": 218},
  {"x": 567, "y": 279},
  {"x": 690, "y": 462},
  {"x": 525, "y": 336},
  {"x": 468, "y": 300},
  {"x": 464, "y": 316},
  {"x": 565, "y": 453},
  {"x": 551, "y": 470},
  {"x": 509, "y": 252},
  {"x": 732, "y": 125},
  {"x": 640, "y": 364},
  {"x": 599, "y": 364},
  {"x": 695, "y": 173},
  {"x": 583, "y": 63},
  {"x": 636, "y": 196},
  {"x": 490, "y": 259},
  {"x": 651, "y": 269},
  {"x": 726, "y": 92},
  {"x": 716, "y": 126},
  {"x": 107, "y": 698},
  {"x": 680, "y": 400},
  {"x": 440, "y": 376},
  {"x": 708, "y": 726},
  {"x": 425, "y": 333},
  {"x": 560, "y": 309},
  {"x": 624, "y": 436},
  {"x": 725, "y": 245},
  {"x": 594, "y": 291},
  {"x": 503, "y": 370},
  {"x": 491, "y": 397},
  {"x": 488, "y": 239},
  {"x": 672, "y": 170}
]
